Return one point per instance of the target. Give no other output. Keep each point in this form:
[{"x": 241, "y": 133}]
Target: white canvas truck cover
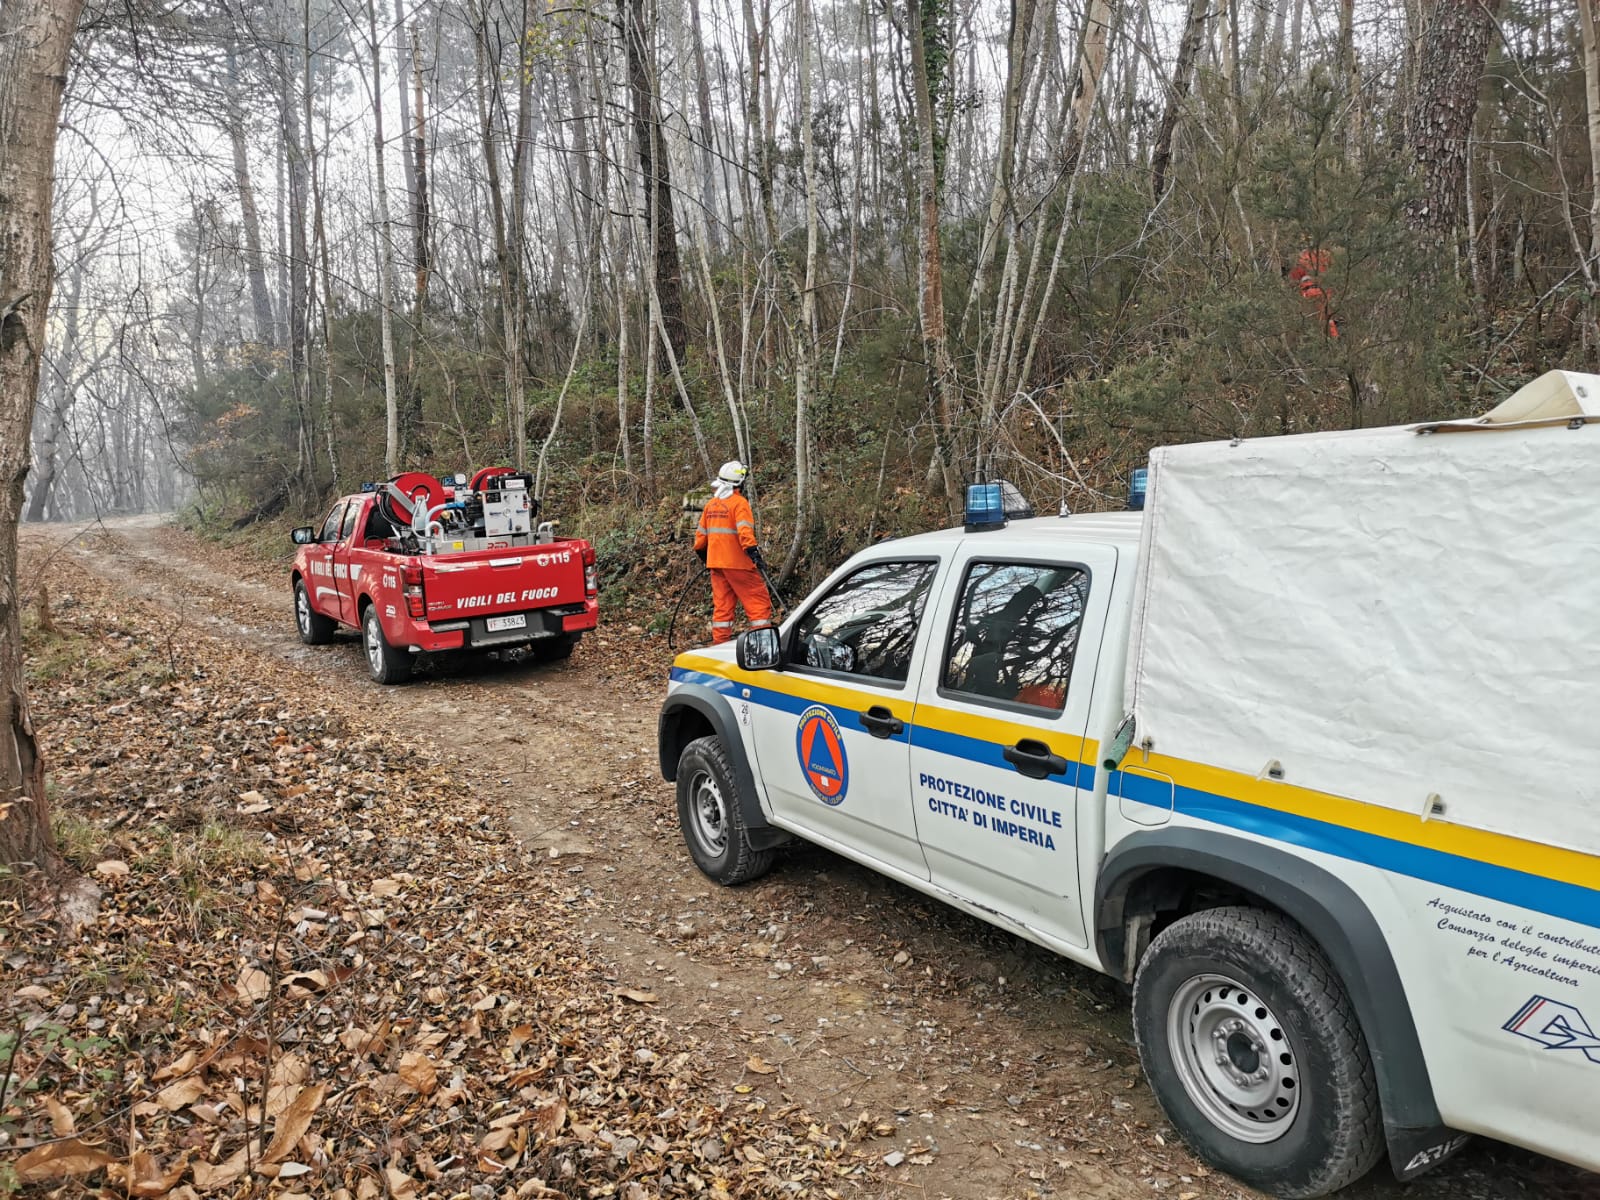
[{"x": 1388, "y": 614}]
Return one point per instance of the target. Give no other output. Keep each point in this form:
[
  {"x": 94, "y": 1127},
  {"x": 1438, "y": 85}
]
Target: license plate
[{"x": 514, "y": 621}]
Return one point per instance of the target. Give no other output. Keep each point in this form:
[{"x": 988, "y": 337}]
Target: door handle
[
  {"x": 1034, "y": 759},
  {"x": 881, "y": 723}
]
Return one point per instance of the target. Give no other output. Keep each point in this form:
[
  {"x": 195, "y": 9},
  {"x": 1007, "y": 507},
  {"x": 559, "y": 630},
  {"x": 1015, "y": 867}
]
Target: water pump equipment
[{"x": 495, "y": 510}]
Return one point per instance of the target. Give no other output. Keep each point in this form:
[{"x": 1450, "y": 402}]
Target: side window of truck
[
  {"x": 867, "y": 623},
  {"x": 1015, "y": 633},
  {"x": 330, "y": 527},
  {"x": 349, "y": 526}
]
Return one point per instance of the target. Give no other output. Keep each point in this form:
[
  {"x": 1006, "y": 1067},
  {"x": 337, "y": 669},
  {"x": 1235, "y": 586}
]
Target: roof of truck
[{"x": 1109, "y": 529}]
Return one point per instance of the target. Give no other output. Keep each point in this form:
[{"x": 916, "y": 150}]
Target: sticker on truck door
[
  {"x": 822, "y": 760},
  {"x": 1555, "y": 1026}
]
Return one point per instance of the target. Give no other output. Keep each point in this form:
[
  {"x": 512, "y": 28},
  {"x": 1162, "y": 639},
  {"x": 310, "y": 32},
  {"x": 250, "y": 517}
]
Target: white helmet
[{"x": 733, "y": 472}]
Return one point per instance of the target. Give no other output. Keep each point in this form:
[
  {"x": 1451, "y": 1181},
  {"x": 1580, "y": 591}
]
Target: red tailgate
[{"x": 504, "y": 581}]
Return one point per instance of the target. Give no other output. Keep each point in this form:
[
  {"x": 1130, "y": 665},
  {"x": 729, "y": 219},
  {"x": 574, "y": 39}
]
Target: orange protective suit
[
  {"x": 1307, "y": 274},
  {"x": 726, "y": 533}
]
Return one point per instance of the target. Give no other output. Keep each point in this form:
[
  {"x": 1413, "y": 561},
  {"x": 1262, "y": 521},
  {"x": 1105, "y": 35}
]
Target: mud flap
[{"x": 1414, "y": 1152}]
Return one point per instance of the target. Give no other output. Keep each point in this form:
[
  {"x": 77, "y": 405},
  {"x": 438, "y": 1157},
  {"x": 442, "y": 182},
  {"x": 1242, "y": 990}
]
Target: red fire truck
[{"x": 423, "y": 567}]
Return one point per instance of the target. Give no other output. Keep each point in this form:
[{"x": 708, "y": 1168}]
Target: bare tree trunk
[
  {"x": 35, "y": 38},
  {"x": 1017, "y": 59},
  {"x": 1093, "y": 49},
  {"x": 1588, "y": 20},
  {"x": 708, "y": 136},
  {"x": 1474, "y": 255},
  {"x": 1229, "y": 35},
  {"x": 47, "y": 450},
  {"x": 521, "y": 153},
  {"x": 1352, "y": 75},
  {"x": 319, "y": 237},
  {"x": 298, "y": 310},
  {"x": 647, "y": 434},
  {"x": 589, "y": 208},
  {"x": 657, "y": 173},
  {"x": 1255, "y": 49},
  {"x": 755, "y": 127},
  {"x": 404, "y": 60},
  {"x": 539, "y": 476},
  {"x": 1182, "y": 71},
  {"x": 858, "y": 182},
  {"x": 1274, "y": 57},
  {"x": 250, "y": 217},
  {"x": 658, "y": 325},
  {"x": 417, "y": 182},
  {"x": 718, "y": 342},
  {"x": 199, "y": 278},
  {"x": 617, "y": 261},
  {"x": 280, "y": 230},
  {"x": 806, "y": 327},
  {"x": 1455, "y": 48},
  {"x": 508, "y": 255},
  {"x": 391, "y": 403},
  {"x": 63, "y": 372},
  {"x": 930, "y": 293}
]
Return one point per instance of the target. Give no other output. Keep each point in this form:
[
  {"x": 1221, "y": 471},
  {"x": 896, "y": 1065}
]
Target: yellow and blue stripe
[{"x": 1547, "y": 879}]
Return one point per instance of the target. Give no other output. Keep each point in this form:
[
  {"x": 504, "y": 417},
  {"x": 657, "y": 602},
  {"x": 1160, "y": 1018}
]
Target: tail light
[
  {"x": 411, "y": 579},
  {"x": 591, "y": 574}
]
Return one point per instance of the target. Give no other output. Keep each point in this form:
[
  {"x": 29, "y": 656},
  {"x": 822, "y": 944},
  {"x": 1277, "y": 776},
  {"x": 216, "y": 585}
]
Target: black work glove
[
  {"x": 755, "y": 556},
  {"x": 701, "y": 554}
]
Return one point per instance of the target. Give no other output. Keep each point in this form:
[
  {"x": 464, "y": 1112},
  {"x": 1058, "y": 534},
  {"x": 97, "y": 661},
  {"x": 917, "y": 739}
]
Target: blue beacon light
[
  {"x": 1138, "y": 485},
  {"x": 986, "y": 507}
]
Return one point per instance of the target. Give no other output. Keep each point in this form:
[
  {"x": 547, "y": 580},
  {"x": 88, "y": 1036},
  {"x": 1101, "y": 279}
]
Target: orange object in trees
[{"x": 1307, "y": 274}]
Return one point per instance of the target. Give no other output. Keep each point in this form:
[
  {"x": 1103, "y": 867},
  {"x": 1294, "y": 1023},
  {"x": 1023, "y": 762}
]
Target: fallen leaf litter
[{"x": 317, "y": 964}]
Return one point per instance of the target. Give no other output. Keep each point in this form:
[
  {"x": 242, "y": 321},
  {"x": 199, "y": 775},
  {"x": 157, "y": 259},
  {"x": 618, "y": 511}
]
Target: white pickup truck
[{"x": 1306, "y": 752}]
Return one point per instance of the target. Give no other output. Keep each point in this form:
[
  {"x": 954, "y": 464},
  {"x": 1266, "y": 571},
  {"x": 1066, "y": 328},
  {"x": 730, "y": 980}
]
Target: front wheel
[
  {"x": 384, "y": 663},
  {"x": 711, "y": 817},
  {"x": 315, "y": 629},
  {"x": 1255, "y": 1053}
]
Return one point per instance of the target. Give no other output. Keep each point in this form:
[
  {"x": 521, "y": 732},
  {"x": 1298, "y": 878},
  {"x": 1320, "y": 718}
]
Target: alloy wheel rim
[
  {"x": 302, "y": 610},
  {"x": 1234, "y": 1058},
  {"x": 374, "y": 644}
]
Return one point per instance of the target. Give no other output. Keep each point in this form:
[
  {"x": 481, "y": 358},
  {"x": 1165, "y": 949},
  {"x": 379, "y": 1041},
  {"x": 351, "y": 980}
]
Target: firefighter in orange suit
[
  {"x": 726, "y": 542},
  {"x": 1307, "y": 274}
]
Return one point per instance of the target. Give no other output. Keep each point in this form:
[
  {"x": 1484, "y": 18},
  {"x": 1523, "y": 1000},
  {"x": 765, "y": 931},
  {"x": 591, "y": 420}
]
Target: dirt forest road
[{"x": 986, "y": 1067}]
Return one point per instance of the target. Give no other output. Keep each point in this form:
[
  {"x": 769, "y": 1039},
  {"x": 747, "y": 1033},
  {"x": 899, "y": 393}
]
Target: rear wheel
[
  {"x": 711, "y": 817},
  {"x": 554, "y": 649},
  {"x": 1255, "y": 1052},
  {"x": 385, "y": 663},
  {"x": 315, "y": 629}
]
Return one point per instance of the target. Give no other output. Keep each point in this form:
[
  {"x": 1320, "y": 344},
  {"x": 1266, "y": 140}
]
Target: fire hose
[{"x": 693, "y": 581}]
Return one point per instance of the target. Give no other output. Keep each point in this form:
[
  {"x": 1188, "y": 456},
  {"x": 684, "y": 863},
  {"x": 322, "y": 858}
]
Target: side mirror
[
  {"x": 1112, "y": 755},
  {"x": 304, "y": 535},
  {"x": 760, "y": 649}
]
